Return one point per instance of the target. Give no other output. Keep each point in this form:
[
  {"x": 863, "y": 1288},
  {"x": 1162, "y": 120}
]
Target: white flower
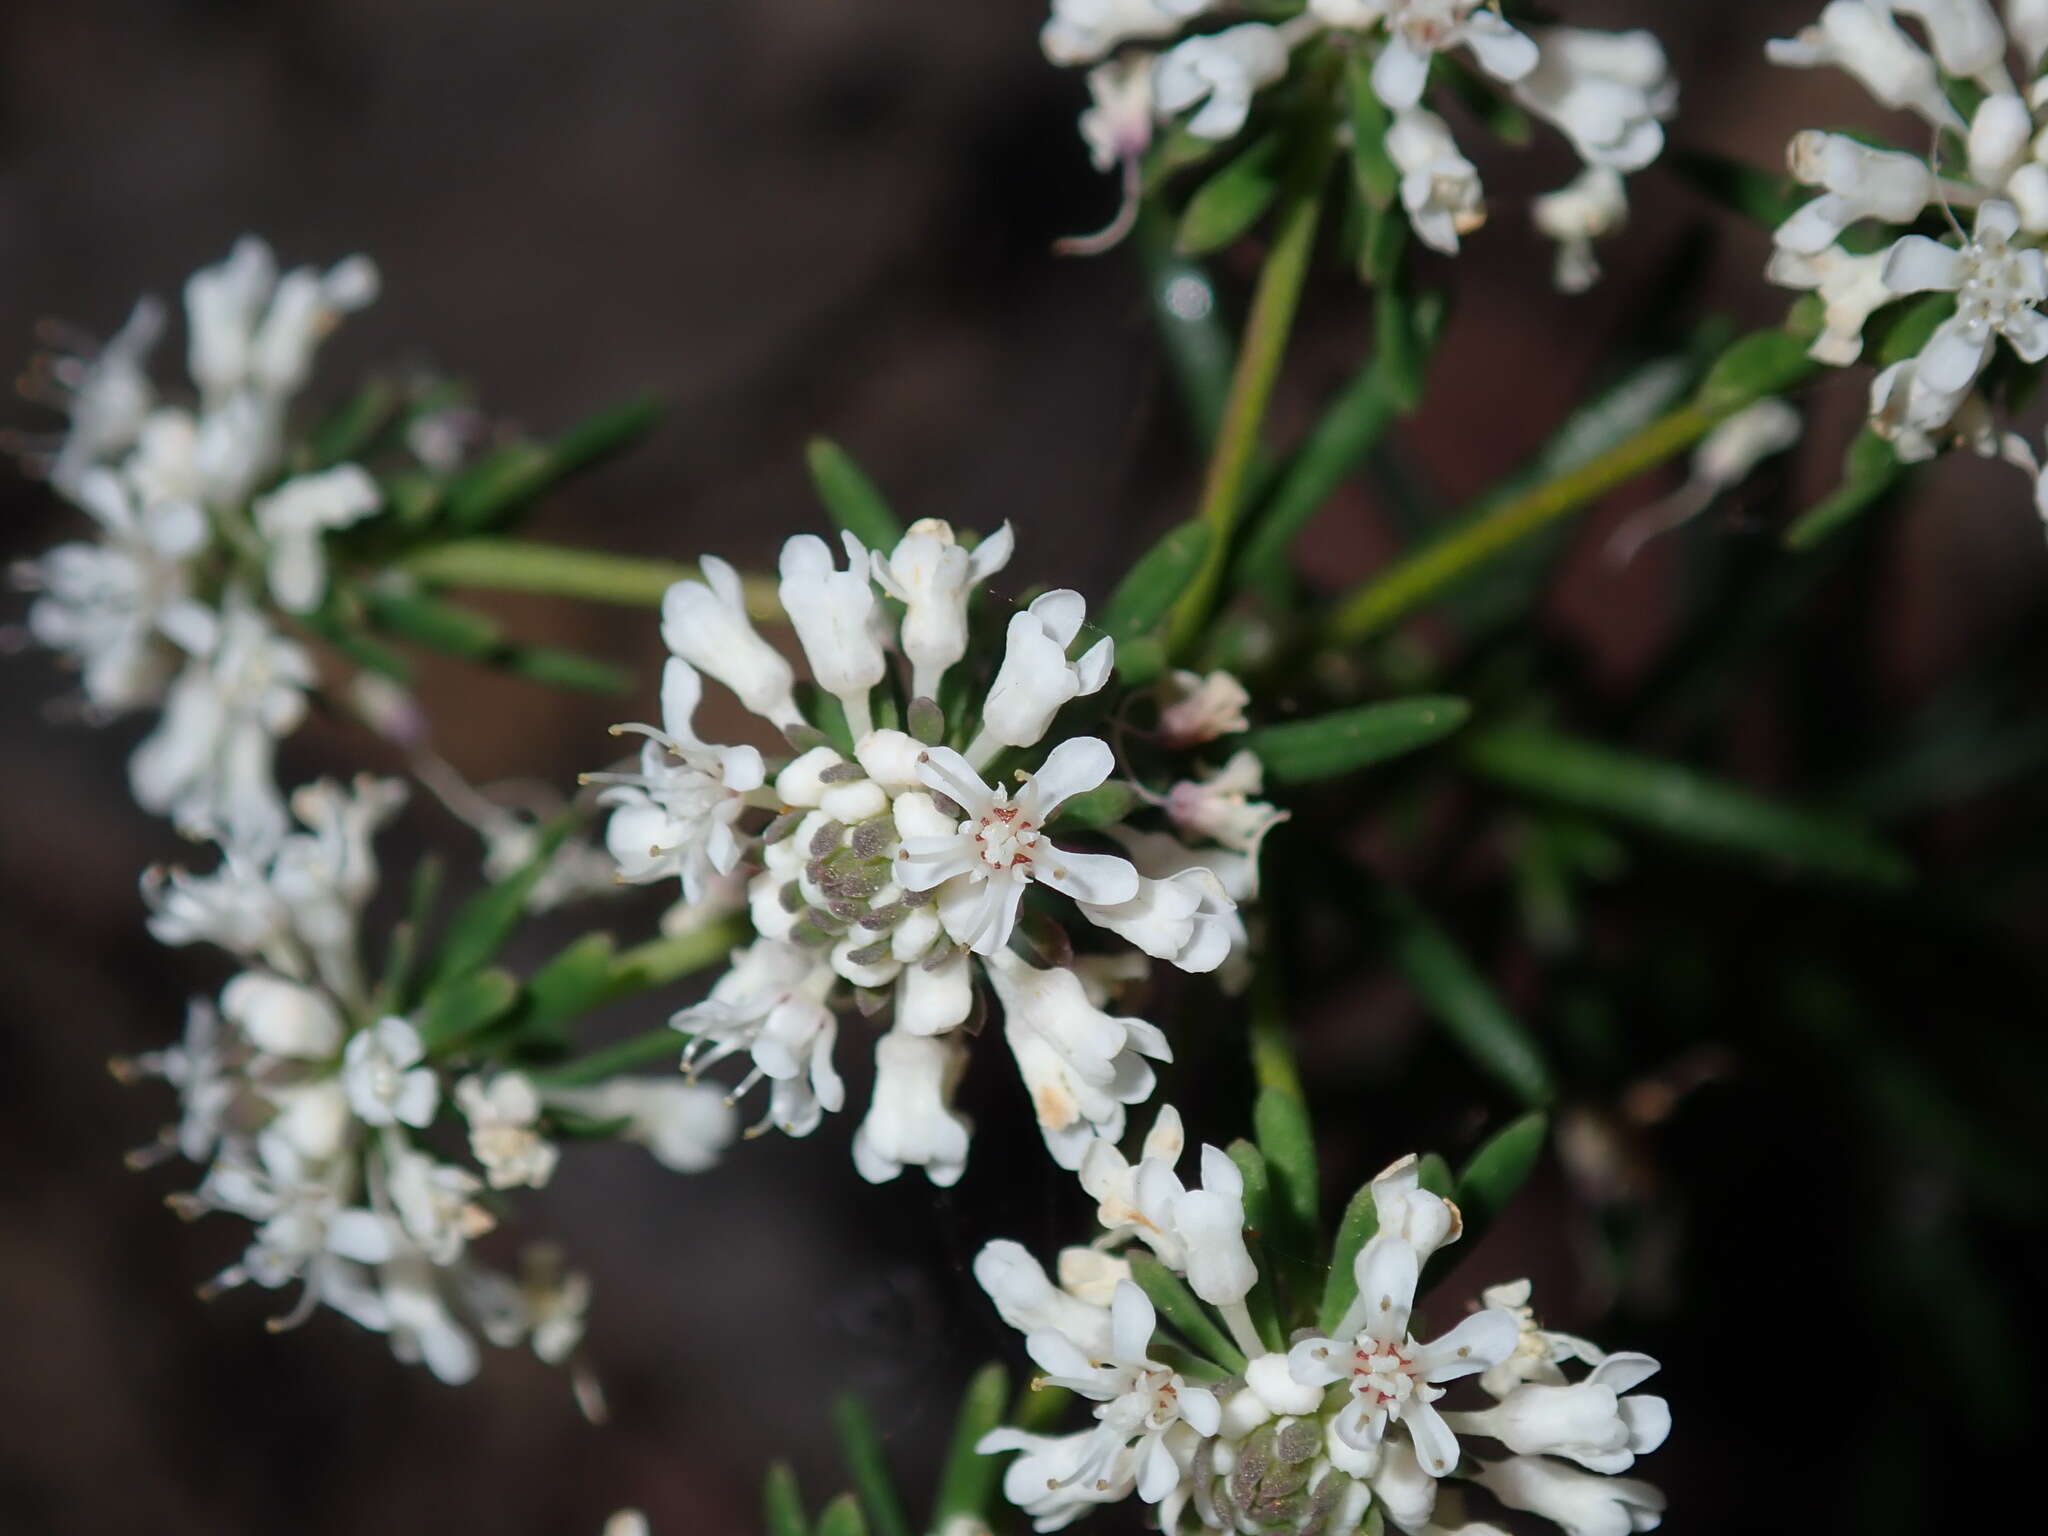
[
  {"x": 771, "y": 1003},
  {"x": 1082, "y": 31},
  {"x": 1117, "y": 1185},
  {"x": 296, "y": 516},
  {"x": 1220, "y": 72},
  {"x": 1221, "y": 808},
  {"x": 113, "y": 604},
  {"x": 685, "y": 1126},
  {"x": 1186, "y": 919},
  {"x": 234, "y": 908},
  {"x": 1593, "y": 205},
  {"x": 1608, "y": 92},
  {"x": 1081, "y": 1066},
  {"x": 835, "y": 616},
  {"x": 436, "y": 1204},
  {"x": 252, "y": 330},
  {"x": 1419, "y": 1218},
  {"x": 198, "y": 1069},
  {"x": 1968, "y": 41},
  {"x": 2027, "y": 20},
  {"x": 282, "y": 1018},
  {"x": 1418, "y": 30},
  {"x": 325, "y": 875},
  {"x": 1203, "y": 708},
  {"x": 1858, "y": 183},
  {"x": 1392, "y": 1378},
  {"x": 2001, "y": 139},
  {"x": 933, "y": 576},
  {"x": 1862, "y": 40},
  {"x": 1590, "y": 1422},
  {"x": 503, "y": 1117},
  {"x": 422, "y": 1326},
  {"x": 1117, "y": 126},
  {"x": 380, "y": 1068},
  {"x": 209, "y": 765},
  {"x": 305, "y": 1231},
  {"x": 1143, "y": 1402},
  {"x": 107, "y": 396},
  {"x": 1030, "y": 1303},
  {"x": 911, "y": 1121},
  {"x": 706, "y": 624},
  {"x": 1439, "y": 187},
  {"x": 1582, "y": 1503},
  {"x": 1036, "y": 678},
  {"x": 980, "y": 864},
  {"x": 1997, "y": 287},
  {"x": 677, "y": 815},
  {"x": 1851, "y": 289},
  {"x": 1046, "y": 1480}
]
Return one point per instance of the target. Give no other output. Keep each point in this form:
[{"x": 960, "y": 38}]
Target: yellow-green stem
[{"x": 522, "y": 565}]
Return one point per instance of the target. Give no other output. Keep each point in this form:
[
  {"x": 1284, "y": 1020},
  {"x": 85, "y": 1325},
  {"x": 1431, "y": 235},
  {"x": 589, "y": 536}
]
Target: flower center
[
  {"x": 1381, "y": 1373},
  {"x": 1004, "y": 839},
  {"x": 1995, "y": 287}
]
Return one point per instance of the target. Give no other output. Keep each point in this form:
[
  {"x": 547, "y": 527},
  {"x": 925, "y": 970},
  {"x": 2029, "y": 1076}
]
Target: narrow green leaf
[
  {"x": 1265, "y": 1233},
  {"x": 1200, "y": 351},
  {"x": 968, "y": 1480},
  {"x": 394, "y": 994},
  {"x": 1766, "y": 198},
  {"x": 505, "y": 481},
  {"x": 1340, "y": 1289},
  {"x": 1178, "y": 1306},
  {"x": 338, "y": 631},
  {"x": 1285, "y": 1136},
  {"x": 1230, "y": 202},
  {"x": 842, "y": 1517},
  {"x": 1869, "y": 469},
  {"x": 1381, "y": 247},
  {"x": 1899, "y": 333},
  {"x": 354, "y": 427},
  {"x": 576, "y": 981},
  {"x": 436, "y": 623},
  {"x": 1458, "y": 996},
  {"x": 1434, "y": 1175},
  {"x": 1759, "y": 364},
  {"x": 1495, "y": 1174},
  {"x": 1101, "y": 807},
  {"x": 1676, "y": 802},
  {"x": 782, "y": 1504},
  {"x": 850, "y": 496},
  {"x": 1403, "y": 342},
  {"x": 861, "y": 1449},
  {"x": 1373, "y": 169},
  {"x": 483, "y": 924},
  {"x": 1139, "y": 607},
  {"x": 1329, "y": 745},
  {"x": 555, "y": 668},
  {"x": 464, "y": 1006}
]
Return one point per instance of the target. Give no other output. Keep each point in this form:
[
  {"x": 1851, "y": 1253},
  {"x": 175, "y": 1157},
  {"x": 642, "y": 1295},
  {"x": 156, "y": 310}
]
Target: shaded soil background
[{"x": 787, "y": 217}]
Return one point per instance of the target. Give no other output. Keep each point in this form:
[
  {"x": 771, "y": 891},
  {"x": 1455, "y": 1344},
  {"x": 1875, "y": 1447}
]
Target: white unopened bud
[
  {"x": 834, "y": 615},
  {"x": 933, "y": 576},
  {"x": 1859, "y": 182},
  {"x": 1439, "y": 186},
  {"x": 705, "y": 622},
  {"x": 911, "y": 1121},
  {"x": 1036, "y": 678},
  {"x": 1863, "y": 41},
  {"x": 2001, "y": 137},
  {"x": 1968, "y": 41},
  {"x": 1220, "y": 72}
]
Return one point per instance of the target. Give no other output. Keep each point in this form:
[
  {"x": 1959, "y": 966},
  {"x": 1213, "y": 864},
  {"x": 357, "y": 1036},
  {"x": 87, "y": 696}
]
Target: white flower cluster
[
  {"x": 194, "y": 512},
  {"x": 891, "y": 869},
  {"x": 1992, "y": 166},
  {"x": 309, "y": 1102},
  {"x": 1311, "y": 1437},
  {"x": 1608, "y": 93}
]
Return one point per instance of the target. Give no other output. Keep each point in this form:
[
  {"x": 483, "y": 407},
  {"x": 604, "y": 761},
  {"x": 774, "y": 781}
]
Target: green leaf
[
  {"x": 968, "y": 1480},
  {"x": 1764, "y": 197},
  {"x": 555, "y": 668},
  {"x": 1178, "y": 1307},
  {"x": 1403, "y": 336},
  {"x": 1676, "y": 802},
  {"x": 394, "y": 986},
  {"x": 1869, "y": 469},
  {"x": 1372, "y": 168},
  {"x": 1285, "y": 1136},
  {"x": 507, "y": 480},
  {"x": 578, "y": 980},
  {"x": 1200, "y": 351},
  {"x": 458, "y": 631},
  {"x": 1101, "y": 807},
  {"x": 1230, "y": 202},
  {"x": 1900, "y": 333},
  {"x": 1302, "y": 751},
  {"x": 851, "y": 497},
  {"x": 1340, "y": 1289},
  {"x": 353, "y": 428},
  {"x": 1381, "y": 246},
  {"x": 463, "y": 1007},
  {"x": 1759, "y": 364},
  {"x": 842, "y": 1517},
  {"x": 1495, "y": 1174},
  {"x": 782, "y": 1504},
  {"x": 1258, "y": 1184},
  {"x": 1434, "y": 1174},
  {"x": 484, "y": 922},
  {"x": 861, "y": 1449},
  {"x": 1458, "y": 996},
  {"x": 1139, "y": 607}
]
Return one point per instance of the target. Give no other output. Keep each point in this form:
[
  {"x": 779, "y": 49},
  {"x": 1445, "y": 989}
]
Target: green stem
[
  {"x": 599, "y": 1066},
  {"x": 1274, "y": 303},
  {"x": 522, "y": 565},
  {"x": 661, "y": 961},
  {"x": 1409, "y": 583}
]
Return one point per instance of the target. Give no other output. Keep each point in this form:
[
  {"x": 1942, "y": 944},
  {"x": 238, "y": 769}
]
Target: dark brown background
[{"x": 787, "y": 216}]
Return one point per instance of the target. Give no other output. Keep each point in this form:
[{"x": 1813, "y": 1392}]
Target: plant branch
[{"x": 523, "y": 565}]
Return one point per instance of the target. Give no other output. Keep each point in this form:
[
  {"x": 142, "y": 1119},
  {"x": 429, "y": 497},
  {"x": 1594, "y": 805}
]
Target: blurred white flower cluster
[
  {"x": 1956, "y": 221},
  {"x": 198, "y": 518},
  {"x": 317, "y": 1110},
  {"x": 1315, "y": 1433},
  {"x": 1608, "y": 93},
  {"x": 929, "y": 824}
]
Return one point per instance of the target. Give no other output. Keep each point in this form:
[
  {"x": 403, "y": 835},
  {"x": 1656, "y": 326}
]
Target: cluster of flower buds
[
  {"x": 1190, "y": 62},
  {"x": 1316, "y": 1431},
  {"x": 1957, "y": 224},
  {"x": 930, "y": 823},
  {"x": 314, "y": 1105}
]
